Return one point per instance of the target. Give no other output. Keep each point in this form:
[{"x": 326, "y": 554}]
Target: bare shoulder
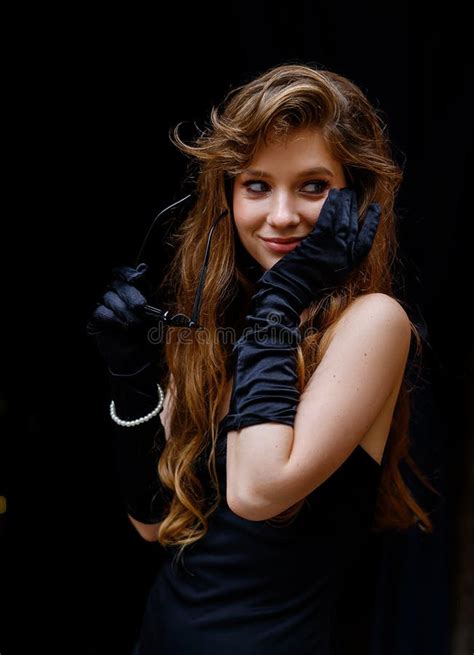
[
  {"x": 380, "y": 303},
  {"x": 375, "y": 310},
  {"x": 371, "y": 323}
]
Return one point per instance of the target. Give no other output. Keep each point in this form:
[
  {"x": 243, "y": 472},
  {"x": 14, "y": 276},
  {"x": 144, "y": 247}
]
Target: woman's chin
[{"x": 272, "y": 260}]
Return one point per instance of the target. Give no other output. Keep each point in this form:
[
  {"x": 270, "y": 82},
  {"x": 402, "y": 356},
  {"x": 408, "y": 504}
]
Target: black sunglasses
[{"x": 164, "y": 315}]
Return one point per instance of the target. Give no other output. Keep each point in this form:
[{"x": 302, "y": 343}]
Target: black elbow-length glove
[
  {"x": 265, "y": 373},
  {"x": 132, "y": 357}
]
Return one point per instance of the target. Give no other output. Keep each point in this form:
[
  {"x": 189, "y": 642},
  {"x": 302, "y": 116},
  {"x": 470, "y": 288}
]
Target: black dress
[{"x": 253, "y": 588}]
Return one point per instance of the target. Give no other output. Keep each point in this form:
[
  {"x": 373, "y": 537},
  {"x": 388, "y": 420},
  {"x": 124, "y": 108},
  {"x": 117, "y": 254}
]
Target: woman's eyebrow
[{"x": 309, "y": 171}]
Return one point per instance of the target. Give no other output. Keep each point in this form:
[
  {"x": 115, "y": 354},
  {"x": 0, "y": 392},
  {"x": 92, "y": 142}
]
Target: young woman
[{"x": 277, "y": 447}]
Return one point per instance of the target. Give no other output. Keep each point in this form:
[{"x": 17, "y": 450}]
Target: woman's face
[{"x": 279, "y": 196}]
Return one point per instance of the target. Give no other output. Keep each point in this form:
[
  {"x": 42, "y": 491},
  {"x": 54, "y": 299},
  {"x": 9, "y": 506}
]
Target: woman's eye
[
  {"x": 320, "y": 186},
  {"x": 250, "y": 183}
]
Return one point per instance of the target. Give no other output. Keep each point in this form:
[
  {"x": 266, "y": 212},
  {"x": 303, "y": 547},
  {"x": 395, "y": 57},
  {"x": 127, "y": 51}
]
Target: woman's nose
[{"x": 282, "y": 211}]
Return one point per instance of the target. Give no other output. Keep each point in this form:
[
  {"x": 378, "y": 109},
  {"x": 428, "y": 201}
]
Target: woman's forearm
[{"x": 137, "y": 449}]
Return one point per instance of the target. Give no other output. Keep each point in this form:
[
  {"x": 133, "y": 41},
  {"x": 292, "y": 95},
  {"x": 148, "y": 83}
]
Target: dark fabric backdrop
[{"x": 90, "y": 98}]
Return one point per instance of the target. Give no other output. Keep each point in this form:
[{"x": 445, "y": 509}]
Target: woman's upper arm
[
  {"x": 355, "y": 378},
  {"x": 148, "y": 531},
  {"x": 360, "y": 368}
]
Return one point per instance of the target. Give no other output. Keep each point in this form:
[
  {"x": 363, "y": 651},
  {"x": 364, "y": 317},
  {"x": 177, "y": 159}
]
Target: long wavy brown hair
[{"x": 271, "y": 106}]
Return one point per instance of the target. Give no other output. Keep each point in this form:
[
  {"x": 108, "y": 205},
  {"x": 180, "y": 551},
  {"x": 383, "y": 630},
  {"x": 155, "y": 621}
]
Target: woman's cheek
[{"x": 317, "y": 211}]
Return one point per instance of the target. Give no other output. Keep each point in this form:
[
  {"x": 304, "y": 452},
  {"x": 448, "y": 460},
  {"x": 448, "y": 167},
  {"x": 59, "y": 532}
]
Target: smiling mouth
[
  {"x": 282, "y": 240},
  {"x": 281, "y": 246}
]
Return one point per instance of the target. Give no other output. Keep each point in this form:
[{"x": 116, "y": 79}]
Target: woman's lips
[{"x": 273, "y": 246}]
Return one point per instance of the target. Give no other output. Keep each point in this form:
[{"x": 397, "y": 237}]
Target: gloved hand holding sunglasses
[{"x": 122, "y": 330}]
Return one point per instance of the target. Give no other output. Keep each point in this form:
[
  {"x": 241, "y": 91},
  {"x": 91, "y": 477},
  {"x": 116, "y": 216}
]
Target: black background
[{"x": 89, "y": 100}]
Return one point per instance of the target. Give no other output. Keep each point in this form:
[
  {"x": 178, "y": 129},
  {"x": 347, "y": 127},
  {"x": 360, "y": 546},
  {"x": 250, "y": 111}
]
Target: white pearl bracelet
[{"x": 143, "y": 419}]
